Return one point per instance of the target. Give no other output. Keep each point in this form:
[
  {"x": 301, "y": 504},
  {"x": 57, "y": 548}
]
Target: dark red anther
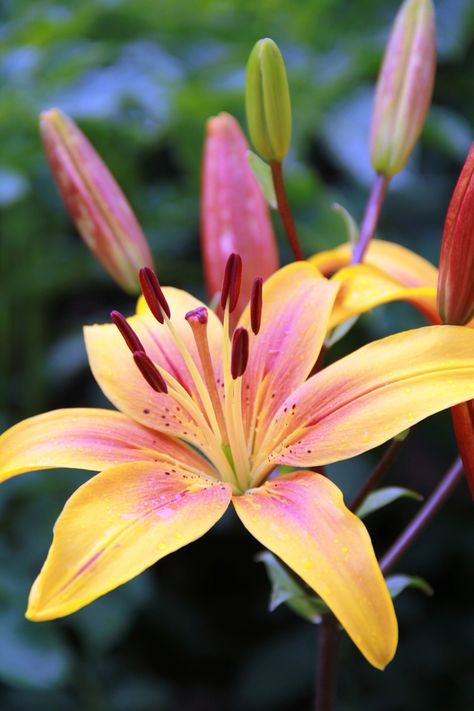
[
  {"x": 153, "y": 294},
  {"x": 126, "y": 331},
  {"x": 256, "y": 305},
  {"x": 150, "y": 372},
  {"x": 240, "y": 352},
  {"x": 198, "y": 315},
  {"x": 231, "y": 282}
]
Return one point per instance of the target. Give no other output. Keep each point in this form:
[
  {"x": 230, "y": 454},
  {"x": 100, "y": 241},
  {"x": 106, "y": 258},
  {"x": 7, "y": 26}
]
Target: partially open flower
[
  {"x": 267, "y": 99},
  {"x": 404, "y": 87},
  {"x": 94, "y": 201},
  {"x": 456, "y": 262},
  {"x": 234, "y": 214}
]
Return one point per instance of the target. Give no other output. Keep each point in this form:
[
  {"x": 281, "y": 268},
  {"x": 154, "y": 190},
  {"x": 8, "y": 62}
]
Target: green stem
[
  {"x": 442, "y": 492},
  {"x": 284, "y": 209},
  {"x": 371, "y": 217}
]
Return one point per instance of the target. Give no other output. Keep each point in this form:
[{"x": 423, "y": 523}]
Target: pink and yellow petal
[
  {"x": 297, "y": 303},
  {"x": 118, "y": 524},
  {"x": 363, "y": 287},
  {"x": 398, "y": 262},
  {"x": 373, "y": 394},
  {"x": 301, "y": 518},
  {"x": 122, "y": 383},
  {"x": 87, "y": 438}
]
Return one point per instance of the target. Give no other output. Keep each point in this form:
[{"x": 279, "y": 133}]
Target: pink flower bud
[
  {"x": 234, "y": 214},
  {"x": 456, "y": 262},
  {"x": 94, "y": 201},
  {"x": 463, "y": 420},
  {"x": 404, "y": 87}
]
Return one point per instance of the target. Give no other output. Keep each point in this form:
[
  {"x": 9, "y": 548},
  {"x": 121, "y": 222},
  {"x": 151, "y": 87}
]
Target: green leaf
[
  {"x": 285, "y": 589},
  {"x": 382, "y": 497},
  {"x": 263, "y": 174},
  {"x": 349, "y": 222},
  {"x": 398, "y": 583}
]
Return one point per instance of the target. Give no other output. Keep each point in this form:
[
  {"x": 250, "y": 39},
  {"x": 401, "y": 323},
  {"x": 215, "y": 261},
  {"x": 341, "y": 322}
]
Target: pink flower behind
[{"x": 234, "y": 214}]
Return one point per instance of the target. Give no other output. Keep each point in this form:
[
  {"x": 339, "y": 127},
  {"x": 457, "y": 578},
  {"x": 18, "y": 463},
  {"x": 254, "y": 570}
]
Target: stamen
[
  {"x": 256, "y": 305},
  {"x": 231, "y": 282},
  {"x": 126, "y": 331},
  {"x": 153, "y": 294},
  {"x": 150, "y": 372},
  {"x": 240, "y": 352},
  {"x": 197, "y": 319}
]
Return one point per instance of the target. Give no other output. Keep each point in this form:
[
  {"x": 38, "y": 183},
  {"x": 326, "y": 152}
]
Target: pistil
[{"x": 197, "y": 319}]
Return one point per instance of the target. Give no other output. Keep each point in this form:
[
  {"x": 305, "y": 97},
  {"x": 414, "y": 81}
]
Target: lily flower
[{"x": 206, "y": 416}]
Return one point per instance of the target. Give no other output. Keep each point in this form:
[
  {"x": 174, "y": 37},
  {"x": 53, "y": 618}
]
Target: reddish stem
[
  {"x": 378, "y": 472},
  {"x": 371, "y": 217},
  {"x": 284, "y": 209},
  {"x": 328, "y": 645},
  {"x": 432, "y": 505}
]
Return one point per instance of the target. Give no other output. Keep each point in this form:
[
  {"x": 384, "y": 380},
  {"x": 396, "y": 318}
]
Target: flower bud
[
  {"x": 404, "y": 87},
  {"x": 94, "y": 200},
  {"x": 267, "y": 99},
  {"x": 456, "y": 262},
  {"x": 234, "y": 213}
]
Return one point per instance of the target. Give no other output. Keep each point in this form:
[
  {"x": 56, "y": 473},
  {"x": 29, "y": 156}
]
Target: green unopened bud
[
  {"x": 404, "y": 87},
  {"x": 267, "y": 99}
]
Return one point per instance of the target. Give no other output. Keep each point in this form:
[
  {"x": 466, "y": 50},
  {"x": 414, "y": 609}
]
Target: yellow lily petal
[
  {"x": 396, "y": 261},
  {"x": 363, "y": 287},
  {"x": 373, "y": 394},
  {"x": 297, "y": 303},
  {"x": 118, "y": 524},
  {"x": 115, "y": 371},
  {"x": 86, "y": 438},
  {"x": 301, "y": 518}
]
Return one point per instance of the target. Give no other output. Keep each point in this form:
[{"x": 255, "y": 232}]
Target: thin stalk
[
  {"x": 371, "y": 217},
  {"x": 380, "y": 469},
  {"x": 326, "y": 672},
  {"x": 442, "y": 492},
  {"x": 284, "y": 209}
]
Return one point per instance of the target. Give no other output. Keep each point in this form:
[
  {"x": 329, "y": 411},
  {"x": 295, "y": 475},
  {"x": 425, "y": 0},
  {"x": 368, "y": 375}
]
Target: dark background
[{"x": 141, "y": 78}]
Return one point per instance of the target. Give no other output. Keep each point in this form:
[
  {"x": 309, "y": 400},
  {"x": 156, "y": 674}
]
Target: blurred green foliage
[{"x": 141, "y": 78}]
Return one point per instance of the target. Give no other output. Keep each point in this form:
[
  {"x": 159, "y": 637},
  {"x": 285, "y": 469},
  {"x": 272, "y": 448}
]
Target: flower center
[{"x": 216, "y": 404}]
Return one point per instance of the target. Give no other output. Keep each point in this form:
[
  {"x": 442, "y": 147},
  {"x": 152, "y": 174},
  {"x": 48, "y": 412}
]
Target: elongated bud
[
  {"x": 404, "y": 87},
  {"x": 456, "y": 262},
  {"x": 267, "y": 100},
  {"x": 94, "y": 200},
  {"x": 234, "y": 213}
]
